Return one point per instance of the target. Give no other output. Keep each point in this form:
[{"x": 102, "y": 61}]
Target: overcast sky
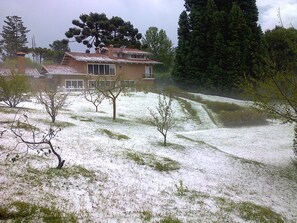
[{"x": 48, "y": 20}]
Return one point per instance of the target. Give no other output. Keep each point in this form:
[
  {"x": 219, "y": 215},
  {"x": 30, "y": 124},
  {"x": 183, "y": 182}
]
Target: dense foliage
[
  {"x": 95, "y": 29},
  {"x": 14, "y": 37},
  {"x": 13, "y": 89},
  {"x": 157, "y": 42},
  {"x": 219, "y": 45}
]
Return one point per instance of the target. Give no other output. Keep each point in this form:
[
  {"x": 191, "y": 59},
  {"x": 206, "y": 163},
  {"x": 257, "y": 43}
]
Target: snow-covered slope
[{"x": 219, "y": 167}]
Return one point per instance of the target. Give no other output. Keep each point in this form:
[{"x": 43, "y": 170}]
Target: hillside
[{"x": 118, "y": 171}]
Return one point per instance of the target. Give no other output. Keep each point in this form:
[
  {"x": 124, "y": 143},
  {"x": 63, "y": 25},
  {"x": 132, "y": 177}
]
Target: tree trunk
[
  {"x": 114, "y": 108},
  {"x": 165, "y": 140},
  {"x": 60, "y": 161},
  {"x": 295, "y": 141}
]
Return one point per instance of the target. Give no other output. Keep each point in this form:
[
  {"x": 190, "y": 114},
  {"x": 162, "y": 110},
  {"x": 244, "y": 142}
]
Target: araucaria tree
[
  {"x": 95, "y": 29},
  {"x": 162, "y": 116},
  {"x": 52, "y": 99},
  {"x": 14, "y": 36},
  {"x": 13, "y": 89},
  {"x": 219, "y": 44}
]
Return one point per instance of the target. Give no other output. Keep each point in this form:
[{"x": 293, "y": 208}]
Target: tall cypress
[
  {"x": 181, "y": 63},
  {"x": 225, "y": 44}
]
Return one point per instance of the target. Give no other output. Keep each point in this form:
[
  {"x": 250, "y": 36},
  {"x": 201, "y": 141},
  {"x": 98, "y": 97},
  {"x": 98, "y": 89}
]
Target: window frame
[{"x": 101, "y": 69}]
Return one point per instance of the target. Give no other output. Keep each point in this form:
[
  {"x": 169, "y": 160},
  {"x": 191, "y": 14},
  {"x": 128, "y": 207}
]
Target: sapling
[{"x": 162, "y": 116}]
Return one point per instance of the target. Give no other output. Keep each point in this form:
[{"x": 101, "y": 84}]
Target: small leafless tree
[
  {"x": 111, "y": 89},
  {"x": 94, "y": 96},
  {"x": 52, "y": 99},
  {"x": 162, "y": 117},
  {"x": 29, "y": 137}
]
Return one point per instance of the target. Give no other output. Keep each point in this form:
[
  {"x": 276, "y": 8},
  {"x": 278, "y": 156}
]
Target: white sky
[{"x": 48, "y": 20}]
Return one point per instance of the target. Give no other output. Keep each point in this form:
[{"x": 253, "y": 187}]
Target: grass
[
  {"x": 25, "y": 212},
  {"x": 161, "y": 164},
  {"x": 113, "y": 135},
  {"x": 233, "y": 115},
  {"x": 249, "y": 211},
  {"x": 38, "y": 177},
  {"x": 57, "y": 124},
  {"x": 170, "y": 219},
  {"x": 82, "y": 119},
  {"x": 188, "y": 109},
  {"x": 146, "y": 215},
  {"x": 25, "y": 126}
]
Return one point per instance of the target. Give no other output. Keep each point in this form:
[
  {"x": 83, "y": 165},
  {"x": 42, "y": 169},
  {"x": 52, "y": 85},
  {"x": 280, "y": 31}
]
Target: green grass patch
[
  {"x": 245, "y": 117},
  {"x": 170, "y": 219},
  {"x": 233, "y": 115},
  {"x": 39, "y": 176},
  {"x": 172, "y": 145},
  {"x": 162, "y": 164},
  {"x": 189, "y": 110},
  {"x": 25, "y": 126},
  {"x": 82, "y": 119},
  {"x": 146, "y": 215},
  {"x": 25, "y": 212},
  {"x": 249, "y": 211},
  {"x": 57, "y": 124},
  {"x": 114, "y": 135}
]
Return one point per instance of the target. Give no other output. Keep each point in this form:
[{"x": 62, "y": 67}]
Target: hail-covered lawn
[{"x": 118, "y": 171}]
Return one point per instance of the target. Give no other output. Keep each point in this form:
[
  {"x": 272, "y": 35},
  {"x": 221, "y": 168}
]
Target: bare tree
[
  {"x": 52, "y": 99},
  {"x": 94, "y": 96},
  {"x": 33, "y": 139},
  {"x": 111, "y": 89},
  {"x": 162, "y": 117}
]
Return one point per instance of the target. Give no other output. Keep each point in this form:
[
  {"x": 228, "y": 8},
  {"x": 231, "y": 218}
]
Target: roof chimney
[
  {"x": 110, "y": 51},
  {"x": 21, "y": 62},
  {"x": 97, "y": 50}
]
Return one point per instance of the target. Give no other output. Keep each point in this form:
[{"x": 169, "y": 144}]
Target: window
[
  {"x": 137, "y": 56},
  {"x": 74, "y": 84},
  {"x": 127, "y": 83},
  {"x": 101, "y": 69},
  {"x": 148, "y": 72},
  {"x": 101, "y": 84}
]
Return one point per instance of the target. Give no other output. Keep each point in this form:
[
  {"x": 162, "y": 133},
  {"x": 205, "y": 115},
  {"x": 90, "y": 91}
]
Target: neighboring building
[
  {"x": 21, "y": 68},
  {"x": 81, "y": 70}
]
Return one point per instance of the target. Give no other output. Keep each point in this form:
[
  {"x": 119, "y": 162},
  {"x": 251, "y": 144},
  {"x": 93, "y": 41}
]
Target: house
[
  {"x": 21, "y": 68},
  {"x": 82, "y": 70}
]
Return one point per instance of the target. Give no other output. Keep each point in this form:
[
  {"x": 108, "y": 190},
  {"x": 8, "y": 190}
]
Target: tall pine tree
[
  {"x": 182, "y": 51},
  {"x": 225, "y": 44},
  {"x": 14, "y": 36}
]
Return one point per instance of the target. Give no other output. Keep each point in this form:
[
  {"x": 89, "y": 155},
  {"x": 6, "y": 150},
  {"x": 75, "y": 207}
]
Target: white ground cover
[{"x": 219, "y": 167}]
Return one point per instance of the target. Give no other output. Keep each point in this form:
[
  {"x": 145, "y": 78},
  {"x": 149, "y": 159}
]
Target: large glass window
[
  {"x": 101, "y": 69},
  {"x": 74, "y": 84}
]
